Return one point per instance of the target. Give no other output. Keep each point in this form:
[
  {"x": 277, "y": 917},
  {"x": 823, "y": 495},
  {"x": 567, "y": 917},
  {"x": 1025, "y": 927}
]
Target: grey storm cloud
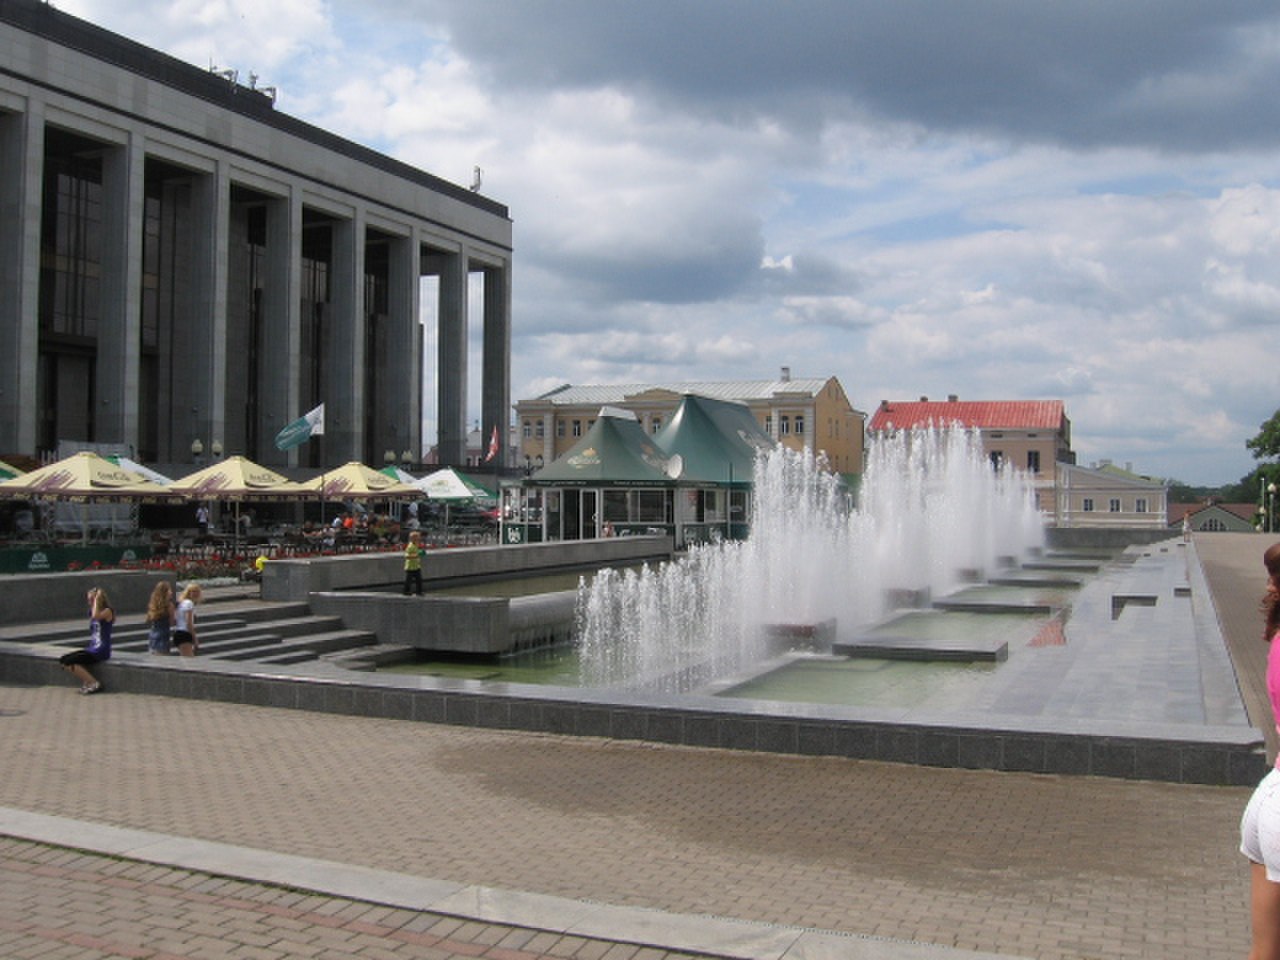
[{"x": 1178, "y": 75}]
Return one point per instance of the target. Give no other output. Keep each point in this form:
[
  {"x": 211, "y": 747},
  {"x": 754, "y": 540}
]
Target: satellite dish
[{"x": 675, "y": 466}]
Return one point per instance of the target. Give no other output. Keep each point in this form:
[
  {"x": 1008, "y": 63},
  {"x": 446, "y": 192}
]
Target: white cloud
[{"x": 715, "y": 217}]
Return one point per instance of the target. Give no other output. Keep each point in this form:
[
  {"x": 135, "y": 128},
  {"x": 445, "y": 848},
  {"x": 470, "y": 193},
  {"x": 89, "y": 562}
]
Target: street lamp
[
  {"x": 216, "y": 449},
  {"x": 389, "y": 457},
  {"x": 1271, "y": 507},
  {"x": 197, "y": 451},
  {"x": 406, "y": 458}
]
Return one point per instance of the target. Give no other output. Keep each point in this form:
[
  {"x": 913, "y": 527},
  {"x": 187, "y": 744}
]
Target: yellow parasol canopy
[
  {"x": 8, "y": 471},
  {"x": 84, "y": 478},
  {"x": 355, "y": 481},
  {"x": 237, "y": 478}
]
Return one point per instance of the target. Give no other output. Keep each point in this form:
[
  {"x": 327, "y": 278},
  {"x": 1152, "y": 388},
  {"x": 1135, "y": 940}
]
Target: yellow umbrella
[
  {"x": 355, "y": 481},
  {"x": 84, "y": 478},
  {"x": 238, "y": 478}
]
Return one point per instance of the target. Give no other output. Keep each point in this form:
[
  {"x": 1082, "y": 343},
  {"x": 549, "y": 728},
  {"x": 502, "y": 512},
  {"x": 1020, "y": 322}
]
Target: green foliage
[{"x": 1267, "y": 443}]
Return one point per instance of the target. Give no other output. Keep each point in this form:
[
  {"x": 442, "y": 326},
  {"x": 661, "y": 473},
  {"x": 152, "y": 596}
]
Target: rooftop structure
[
  {"x": 809, "y": 413},
  {"x": 184, "y": 267}
]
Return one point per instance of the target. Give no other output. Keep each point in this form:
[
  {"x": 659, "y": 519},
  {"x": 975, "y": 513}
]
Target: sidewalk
[{"x": 564, "y": 846}]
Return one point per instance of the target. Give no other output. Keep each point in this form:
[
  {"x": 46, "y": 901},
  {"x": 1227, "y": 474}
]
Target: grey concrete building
[{"x": 181, "y": 262}]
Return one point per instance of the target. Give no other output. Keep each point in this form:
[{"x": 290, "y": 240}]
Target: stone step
[{"x": 313, "y": 646}]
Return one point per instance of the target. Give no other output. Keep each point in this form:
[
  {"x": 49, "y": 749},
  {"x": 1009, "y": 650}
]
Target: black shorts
[
  {"x": 182, "y": 636},
  {"x": 81, "y": 658}
]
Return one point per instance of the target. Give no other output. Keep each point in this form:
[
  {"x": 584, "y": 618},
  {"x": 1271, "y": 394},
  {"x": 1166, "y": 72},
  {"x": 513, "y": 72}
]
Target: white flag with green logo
[{"x": 301, "y": 430}]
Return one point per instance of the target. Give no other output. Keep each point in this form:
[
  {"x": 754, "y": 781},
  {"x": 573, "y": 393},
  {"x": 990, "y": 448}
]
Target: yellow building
[{"x": 805, "y": 413}]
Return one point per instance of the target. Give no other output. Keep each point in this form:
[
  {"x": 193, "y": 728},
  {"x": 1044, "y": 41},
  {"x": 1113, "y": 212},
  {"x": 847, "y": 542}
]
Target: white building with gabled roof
[{"x": 1107, "y": 496}]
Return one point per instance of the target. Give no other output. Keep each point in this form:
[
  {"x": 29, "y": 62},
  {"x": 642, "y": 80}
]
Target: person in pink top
[{"x": 1260, "y": 825}]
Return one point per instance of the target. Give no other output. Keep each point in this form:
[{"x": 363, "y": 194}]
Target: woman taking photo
[{"x": 78, "y": 662}]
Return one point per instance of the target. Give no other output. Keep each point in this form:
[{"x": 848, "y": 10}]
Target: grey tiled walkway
[{"x": 1007, "y": 864}]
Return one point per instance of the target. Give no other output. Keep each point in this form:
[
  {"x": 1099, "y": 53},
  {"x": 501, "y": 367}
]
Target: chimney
[
  {"x": 924, "y": 399},
  {"x": 786, "y": 374},
  {"x": 953, "y": 397}
]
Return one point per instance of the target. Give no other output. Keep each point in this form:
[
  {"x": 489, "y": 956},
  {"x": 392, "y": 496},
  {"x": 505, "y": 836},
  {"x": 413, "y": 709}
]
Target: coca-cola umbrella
[
  {"x": 85, "y": 477},
  {"x": 238, "y": 480}
]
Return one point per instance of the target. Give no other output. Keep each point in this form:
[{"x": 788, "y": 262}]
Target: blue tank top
[{"x": 100, "y": 638}]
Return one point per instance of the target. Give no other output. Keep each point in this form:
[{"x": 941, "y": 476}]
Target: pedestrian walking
[
  {"x": 78, "y": 662},
  {"x": 1260, "y": 825},
  {"x": 184, "y": 623}
]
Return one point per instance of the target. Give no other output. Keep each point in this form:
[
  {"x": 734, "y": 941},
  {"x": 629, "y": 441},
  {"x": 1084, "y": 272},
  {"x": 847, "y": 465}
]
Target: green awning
[
  {"x": 615, "y": 452},
  {"x": 716, "y": 439}
]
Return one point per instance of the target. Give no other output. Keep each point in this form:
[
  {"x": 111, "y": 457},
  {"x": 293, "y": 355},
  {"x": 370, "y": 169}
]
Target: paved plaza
[{"x": 281, "y": 833}]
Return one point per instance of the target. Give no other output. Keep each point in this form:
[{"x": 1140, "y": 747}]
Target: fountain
[{"x": 932, "y": 513}]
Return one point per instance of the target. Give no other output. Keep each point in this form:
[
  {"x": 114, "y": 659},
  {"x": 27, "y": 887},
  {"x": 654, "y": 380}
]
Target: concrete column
[
  {"x": 548, "y": 438},
  {"x": 116, "y": 403},
  {"x": 279, "y": 377},
  {"x": 202, "y": 360},
  {"x": 344, "y": 387},
  {"x": 495, "y": 396},
  {"x": 451, "y": 360},
  {"x": 399, "y": 381},
  {"x": 21, "y": 176}
]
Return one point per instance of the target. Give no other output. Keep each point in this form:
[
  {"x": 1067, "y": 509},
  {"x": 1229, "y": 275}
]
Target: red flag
[{"x": 493, "y": 446}]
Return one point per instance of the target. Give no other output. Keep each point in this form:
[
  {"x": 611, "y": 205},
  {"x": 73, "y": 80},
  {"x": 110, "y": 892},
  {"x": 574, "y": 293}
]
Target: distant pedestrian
[
  {"x": 1260, "y": 825},
  {"x": 184, "y": 624},
  {"x": 161, "y": 615},
  {"x": 413, "y": 564},
  {"x": 202, "y": 519},
  {"x": 77, "y": 663}
]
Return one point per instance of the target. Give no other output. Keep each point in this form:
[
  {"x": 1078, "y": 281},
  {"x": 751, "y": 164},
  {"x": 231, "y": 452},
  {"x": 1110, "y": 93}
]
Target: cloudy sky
[{"x": 993, "y": 198}]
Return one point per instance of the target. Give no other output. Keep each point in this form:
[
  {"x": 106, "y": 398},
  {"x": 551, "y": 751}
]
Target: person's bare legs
[
  {"x": 84, "y": 676},
  {"x": 1264, "y": 904}
]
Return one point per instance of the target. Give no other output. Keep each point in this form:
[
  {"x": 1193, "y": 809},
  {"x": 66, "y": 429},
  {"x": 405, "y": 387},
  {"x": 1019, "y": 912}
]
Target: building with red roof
[{"x": 1032, "y": 435}]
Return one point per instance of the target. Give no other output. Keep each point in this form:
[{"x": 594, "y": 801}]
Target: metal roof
[
  {"x": 978, "y": 414},
  {"x": 740, "y": 391}
]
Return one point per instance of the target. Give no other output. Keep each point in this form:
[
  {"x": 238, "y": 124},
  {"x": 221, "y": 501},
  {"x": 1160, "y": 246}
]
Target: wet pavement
[{"x": 280, "y": 833}]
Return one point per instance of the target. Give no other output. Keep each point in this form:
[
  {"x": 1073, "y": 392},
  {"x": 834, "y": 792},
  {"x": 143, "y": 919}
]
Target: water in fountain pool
[{"x": 932, "y": 512}]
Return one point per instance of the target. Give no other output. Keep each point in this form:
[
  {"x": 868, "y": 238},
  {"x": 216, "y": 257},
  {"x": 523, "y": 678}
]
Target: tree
[{"x": 1266, "y": 444}]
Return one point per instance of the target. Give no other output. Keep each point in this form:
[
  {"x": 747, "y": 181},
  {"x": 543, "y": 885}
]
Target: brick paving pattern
[
  {"x": 1051, "y": 867},
  {"x": 1017, "y": 864},
  {"x": 57, "y": 903}
]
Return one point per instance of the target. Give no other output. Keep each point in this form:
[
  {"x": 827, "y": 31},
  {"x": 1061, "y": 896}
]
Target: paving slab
[{"x": 851, "y": 858}]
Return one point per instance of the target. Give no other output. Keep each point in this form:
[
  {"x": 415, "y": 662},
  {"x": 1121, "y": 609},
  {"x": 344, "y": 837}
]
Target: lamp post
[
  {"x": 406, "y": 459},
  {"x": 197, "y": 451},
  {"x": 389, "y": 457},
  {"x": 215, "y": 448},
  {"x": 1271, "y": 507}
]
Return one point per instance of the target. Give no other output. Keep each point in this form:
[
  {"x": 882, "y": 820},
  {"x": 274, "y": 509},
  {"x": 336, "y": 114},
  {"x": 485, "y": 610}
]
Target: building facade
[
  {"x": 1216, "y": 517},
  {"x": 1031, "y": 435},
  {"x": 183, "y": 267},
  {"x": 804, "y": 413},
  {"x": 1107, "y": 496}
]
